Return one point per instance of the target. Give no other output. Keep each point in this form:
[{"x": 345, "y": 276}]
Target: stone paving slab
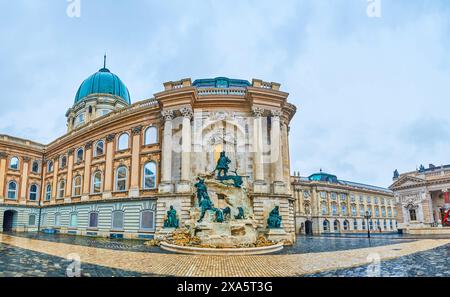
[
  {"x": 17, "y": 262},
  {"x": 429, "y": 263},
  {"x": 216, "y": 266}
]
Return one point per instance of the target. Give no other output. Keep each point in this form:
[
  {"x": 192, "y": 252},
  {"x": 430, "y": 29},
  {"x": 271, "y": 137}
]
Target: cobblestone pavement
[
  {"x": 434, "y": 262},
  {"x": 308, "y": 244},
  {"x": 17, "y": 262},
  {"x": 303, "y": 245},
  {"x": 98, "y": 242},
  {"x": 160, "y": 264}
]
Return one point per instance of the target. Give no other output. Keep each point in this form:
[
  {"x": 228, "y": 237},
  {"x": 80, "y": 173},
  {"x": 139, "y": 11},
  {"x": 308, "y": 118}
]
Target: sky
[{"x": 372, "y": 93}]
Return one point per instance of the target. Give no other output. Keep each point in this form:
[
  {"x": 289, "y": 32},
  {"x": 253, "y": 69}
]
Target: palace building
[
  {"x": 122, "y": 165},
  {"x": 423, "y": 199},
  {"x": 326, "y": 204}
]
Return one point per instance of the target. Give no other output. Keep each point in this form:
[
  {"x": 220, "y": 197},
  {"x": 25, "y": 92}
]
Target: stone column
[
  {"x": 87, "y": 171},
  {"x": 259, "y": 185},
  {"x": 184, "y": 185},
  {"x": 3, "y": 157},
  {"x": 166, "y": 185},
  {"x": 24, "y": 181},
  {"x": 69, "y": 175},
  {"x": 135, "y": 164},
  {"x": 279, "y": 185},
  {"x": 109, "y": 166}
]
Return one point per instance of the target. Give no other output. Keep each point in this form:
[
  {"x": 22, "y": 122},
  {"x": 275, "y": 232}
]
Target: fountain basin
[{"x": 221, "y": 251}]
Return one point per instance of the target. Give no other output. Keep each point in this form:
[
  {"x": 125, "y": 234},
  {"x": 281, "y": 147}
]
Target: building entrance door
[
  {"x": 308, "y": 228},
  {"x": 8, "y": 220}
]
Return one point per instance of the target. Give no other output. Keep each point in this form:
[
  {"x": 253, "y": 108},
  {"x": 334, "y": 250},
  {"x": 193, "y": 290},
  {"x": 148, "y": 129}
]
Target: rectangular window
[
  {"x": 147, "y": 220},
  {"x": 117, "y": 220},
  {"x": 32, "y": 220},
  {"x": 73, "y": 220},
  {"x": 57, "y": 220},
  {"x": 93, "y": 220},
  {"x": 44, "y": 219}
]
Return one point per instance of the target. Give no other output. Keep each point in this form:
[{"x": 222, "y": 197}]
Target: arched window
[
  {"x": 324, "y": 208},
  {"x": 121, "y": 178},
  {"x": 363, "y": 223},
  {"x": 32, "y": 220},
  {"x": 97, "y": 182},
  {"x": 371, "y": 224},
  {"x": 334, "y": 209},
  {"x": 151, "y": 135},
  {"x": 353, "y": 210},
  {"x": 12, "y": 190},
  {"x": 99, "y": 148},
  {"x": 50, "y": 166},
  {"x": 117, "y": 220},
  {"x": 73, "y": 219},
  {"x": 93, "y": 220},
  {"x": 344, "y": 209},
  {"x": 362, "y": 210},
  {"x": 14, "y": 163},
  {"x": 48, "y": 192},
  {"x": 412, "y": 214},
  {"x": 61, "y": 188},
  {"x": 150, "y": 175},
  {"x": 326, "y": 225},
  {"x": 77, "y": 180},
  {"x": 355, "y": 225},
  {"x": 35, "y": 167},
  {"x": 147, "y": 220},
  {"x": 383, "y": 212},
  {"x": 122, "y": 143},
  {"x": 80, "y": 155},
  {"x": 345, "y": 225},
  {"x": 63, "y": 162},
  {"x": 336, "y": 225},
  {"x": 377, "y": 212},
  {"x": 33, "y": 192},
  {"x": 385, "y": 224}
]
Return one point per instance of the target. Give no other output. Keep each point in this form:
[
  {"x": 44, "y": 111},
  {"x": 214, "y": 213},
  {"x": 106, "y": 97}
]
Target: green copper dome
[{"x": 103, "y": 82}]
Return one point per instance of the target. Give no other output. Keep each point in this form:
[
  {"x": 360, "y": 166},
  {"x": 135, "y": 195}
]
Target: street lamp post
[{"x": 367, "y": 216}]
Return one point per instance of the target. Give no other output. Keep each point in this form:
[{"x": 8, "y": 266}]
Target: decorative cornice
[
  {"x": 136, "y": 130},
  {"x": 3, "y": 155},
  {"x": 168, "y": 115},
  {"x": 70, "y": 152},
  {"x": 26, "y": 159},
  {"x": 257, "y": 111},
  {"x": 110, "y": 137},
  {"x": 186, "y": 112}
]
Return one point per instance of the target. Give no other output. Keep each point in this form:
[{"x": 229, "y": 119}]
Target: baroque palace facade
[
  {"x": 423, "y": 199},
  {"x": 120, "y": 166},
  {"x": 326, "y": 204}
]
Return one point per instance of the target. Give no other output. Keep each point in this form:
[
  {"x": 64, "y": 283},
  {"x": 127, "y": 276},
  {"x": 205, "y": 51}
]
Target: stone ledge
[{"x": 221, "y": 252}]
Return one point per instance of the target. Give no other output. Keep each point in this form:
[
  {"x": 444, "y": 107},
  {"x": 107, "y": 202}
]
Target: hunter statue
[
  {"x": 222, "y": 165},
  {"x": 222, "y": 171},
  {"x": 171, "y": 221},
  {"x": 274, "y": 220},
  {"x": 202, "y": 191}
]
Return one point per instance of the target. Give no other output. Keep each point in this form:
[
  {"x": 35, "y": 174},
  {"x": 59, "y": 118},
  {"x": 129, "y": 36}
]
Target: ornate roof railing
[{"x": 221, "y": 91}]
